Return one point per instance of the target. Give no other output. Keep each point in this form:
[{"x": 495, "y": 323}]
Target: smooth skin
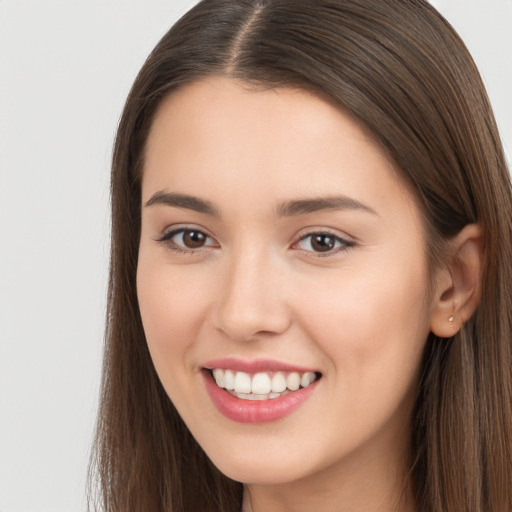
[{"x": 243, "y": 266}]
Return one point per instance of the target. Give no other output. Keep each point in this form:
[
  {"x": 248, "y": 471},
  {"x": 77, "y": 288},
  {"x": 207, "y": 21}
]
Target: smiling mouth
[{"x": 262, "y": 385}]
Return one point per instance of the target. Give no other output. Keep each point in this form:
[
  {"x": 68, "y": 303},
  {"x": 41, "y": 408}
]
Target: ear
[{"x": 459, "y": 283}]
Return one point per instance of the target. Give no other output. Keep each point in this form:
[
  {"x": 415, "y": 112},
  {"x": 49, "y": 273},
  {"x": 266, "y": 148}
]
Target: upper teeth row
[{"x": 262, "y": 383}]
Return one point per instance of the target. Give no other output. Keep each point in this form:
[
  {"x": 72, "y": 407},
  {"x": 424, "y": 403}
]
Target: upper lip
[{"x": 255, "y": 365}]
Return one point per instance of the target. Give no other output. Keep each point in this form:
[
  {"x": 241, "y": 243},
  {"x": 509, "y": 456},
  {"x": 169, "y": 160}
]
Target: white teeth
[
  {"x": 229, "y": 380},
  {"x": 293, "y": 381},
  {"x": 254, "y": 396},
  {"x": 278, "y": 383},
  {"x": 261, "y": 386},
  {"x": 305, "y": 380},
  {"x": 218, "y": 375},
  {"x": 243, "y": 382}
]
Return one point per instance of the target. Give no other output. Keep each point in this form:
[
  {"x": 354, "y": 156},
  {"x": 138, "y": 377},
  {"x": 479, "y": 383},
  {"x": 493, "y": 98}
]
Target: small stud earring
[{"x": 451, "y": 319}]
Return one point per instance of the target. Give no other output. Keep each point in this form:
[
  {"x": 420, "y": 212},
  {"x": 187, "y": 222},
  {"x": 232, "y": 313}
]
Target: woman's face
[{"x": 278, "y": 245}]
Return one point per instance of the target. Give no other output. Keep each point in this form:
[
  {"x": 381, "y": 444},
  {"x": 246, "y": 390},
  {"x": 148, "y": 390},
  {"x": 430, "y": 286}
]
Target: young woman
[{"x": 310, "y": 289}]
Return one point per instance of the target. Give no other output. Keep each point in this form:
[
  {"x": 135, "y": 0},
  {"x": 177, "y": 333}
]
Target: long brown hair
[{"x": 400, "y": 69}]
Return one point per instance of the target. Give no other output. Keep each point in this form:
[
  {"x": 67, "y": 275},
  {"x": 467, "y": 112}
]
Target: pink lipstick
[{"x": 258, "y": 391}]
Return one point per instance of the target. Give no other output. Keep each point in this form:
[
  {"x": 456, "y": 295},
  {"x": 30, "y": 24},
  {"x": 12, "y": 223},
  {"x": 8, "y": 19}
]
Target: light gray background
[{"x": 65, "y": 69}]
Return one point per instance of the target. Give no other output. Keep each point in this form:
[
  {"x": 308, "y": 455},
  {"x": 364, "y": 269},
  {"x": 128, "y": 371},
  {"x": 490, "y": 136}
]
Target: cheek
[
  {"x": 372, "y": 326},
  {"x": 171, "y": 314},
  {"x": 373, "y": 333}
]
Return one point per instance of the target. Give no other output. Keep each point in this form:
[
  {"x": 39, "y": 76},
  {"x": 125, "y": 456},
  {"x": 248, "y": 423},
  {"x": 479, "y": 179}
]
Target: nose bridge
[{"x": 252, "y": 302}]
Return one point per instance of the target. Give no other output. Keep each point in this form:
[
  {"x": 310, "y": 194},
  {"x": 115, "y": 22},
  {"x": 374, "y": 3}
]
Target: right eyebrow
[
  {"x": 182, "y": 201},
  {"x": 317, "y": 204}
]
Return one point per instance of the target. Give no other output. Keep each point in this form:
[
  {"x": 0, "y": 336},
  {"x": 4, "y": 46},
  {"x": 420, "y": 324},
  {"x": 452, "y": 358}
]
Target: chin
[
  {"x": 259, "y": 474},
  {"x": 260, "y": 469}
]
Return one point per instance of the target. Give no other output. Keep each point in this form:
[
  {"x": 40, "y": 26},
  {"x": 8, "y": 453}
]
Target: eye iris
[
  {"x": 194, "y": 239},
  {"x": 323, "y": 243}
]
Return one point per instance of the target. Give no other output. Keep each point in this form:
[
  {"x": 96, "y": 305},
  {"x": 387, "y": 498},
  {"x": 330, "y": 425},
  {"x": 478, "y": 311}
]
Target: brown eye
[
  {"x": 323, "y": 243},
  {"x": 193, "y": 239},
  {"x": 187, "y": 240}
]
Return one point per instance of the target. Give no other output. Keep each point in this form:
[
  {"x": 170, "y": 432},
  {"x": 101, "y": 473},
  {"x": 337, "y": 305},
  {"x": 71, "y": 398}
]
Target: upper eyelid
[
  {"x": 323, "y": 232},
  {"x": 166, "y": 239},
  {"x": 171, "y": 231},
  {"x": 175, "y": 229},
  {"x": 175, "y": 232},
  {"x": 304, "y": 233},
  {"x": 346, "y": 241}
]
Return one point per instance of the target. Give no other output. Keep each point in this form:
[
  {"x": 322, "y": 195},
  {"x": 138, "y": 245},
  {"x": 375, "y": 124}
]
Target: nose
[{"x": 252, "y": 303}]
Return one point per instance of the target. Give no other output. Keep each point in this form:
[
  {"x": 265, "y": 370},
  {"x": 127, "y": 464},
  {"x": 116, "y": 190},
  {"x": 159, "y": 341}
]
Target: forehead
[
  {"x": 279, "y": 142},
  {"x": 226, "y": 97}
]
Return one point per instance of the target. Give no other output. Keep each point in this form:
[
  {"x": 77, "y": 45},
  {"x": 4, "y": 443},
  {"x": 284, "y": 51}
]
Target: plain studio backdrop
[{"x": 65, "y": 70}]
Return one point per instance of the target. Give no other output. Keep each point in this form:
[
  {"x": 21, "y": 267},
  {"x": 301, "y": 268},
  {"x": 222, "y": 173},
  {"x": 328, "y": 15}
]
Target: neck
[
  {"x": 351, "y": 494},
  {"x": 366, "y": 481}
]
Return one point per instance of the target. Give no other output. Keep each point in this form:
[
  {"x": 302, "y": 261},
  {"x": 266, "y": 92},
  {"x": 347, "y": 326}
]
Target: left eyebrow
[
  {"x": 183, "y": 201},
  {"x": 305, "y": 206}
]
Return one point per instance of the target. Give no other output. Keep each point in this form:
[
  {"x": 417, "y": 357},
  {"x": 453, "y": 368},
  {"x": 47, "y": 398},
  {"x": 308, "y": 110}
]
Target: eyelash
[
  {"x": 166, "y": 239},
  {"x": 343, "y": 244}
]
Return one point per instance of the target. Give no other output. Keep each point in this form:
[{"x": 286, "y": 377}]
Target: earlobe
[{"x": 459, "y": 283}]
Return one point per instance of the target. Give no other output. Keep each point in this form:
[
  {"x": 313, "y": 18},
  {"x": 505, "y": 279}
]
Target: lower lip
[{"x": 255, "y": 411}]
